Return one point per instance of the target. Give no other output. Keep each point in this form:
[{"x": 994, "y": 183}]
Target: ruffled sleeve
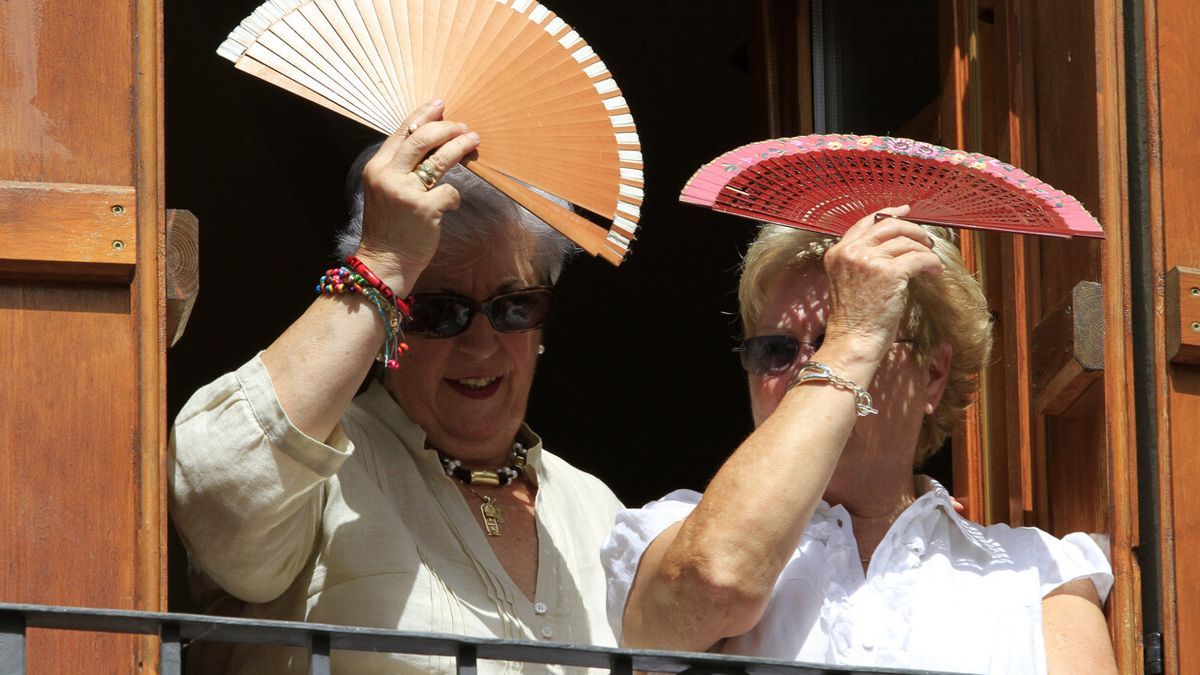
[
  {"x": 632, "y": 534},
  {"x": 1073, "y": 557}
]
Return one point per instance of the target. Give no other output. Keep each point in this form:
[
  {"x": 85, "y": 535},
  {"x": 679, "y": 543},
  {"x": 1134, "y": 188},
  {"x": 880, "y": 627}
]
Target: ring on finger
[
  {"x": 412, "y": 128},
  {"x": 424, "y": 173}
]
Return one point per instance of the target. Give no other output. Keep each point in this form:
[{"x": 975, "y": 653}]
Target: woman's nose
[{"x": 480, "y": 340}]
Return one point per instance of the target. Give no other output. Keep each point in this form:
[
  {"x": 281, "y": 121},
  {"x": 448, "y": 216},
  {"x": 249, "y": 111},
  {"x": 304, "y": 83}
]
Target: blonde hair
[{"x": 946, "y": 309}]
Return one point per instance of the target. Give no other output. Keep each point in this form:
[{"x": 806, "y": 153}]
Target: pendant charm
[{"x": 491, "y": 516}]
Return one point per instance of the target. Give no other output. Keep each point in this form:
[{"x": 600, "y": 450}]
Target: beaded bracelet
[
  {"x": 345, "y": 281},
  {"x": 370, "y": 279}
]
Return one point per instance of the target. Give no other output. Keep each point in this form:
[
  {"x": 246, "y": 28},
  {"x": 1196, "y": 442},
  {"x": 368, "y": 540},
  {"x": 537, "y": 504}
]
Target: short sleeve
[
  {"x": 632, "y": 534},
  {"x": 1073, "y": 557}
]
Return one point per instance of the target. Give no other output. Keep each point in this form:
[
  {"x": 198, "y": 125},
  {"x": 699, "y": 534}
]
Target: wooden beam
[
  {"x": 1068, "y": 349},
  {"x": 1182, "y": 305},
  {"x": 183, "y": 270},
  {"x": 66, "y": 231}
]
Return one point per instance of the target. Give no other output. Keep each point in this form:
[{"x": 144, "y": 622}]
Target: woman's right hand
[
  {"x": 868, "y": 272},
  {"x": 401, "y": 218}
]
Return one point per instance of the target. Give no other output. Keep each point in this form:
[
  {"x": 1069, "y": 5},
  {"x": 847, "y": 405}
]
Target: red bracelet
[{"x": 375, "y": 282}]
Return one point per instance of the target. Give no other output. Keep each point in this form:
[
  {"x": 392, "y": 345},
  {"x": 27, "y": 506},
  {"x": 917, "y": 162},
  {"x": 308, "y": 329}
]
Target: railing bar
[
  {"x": 170, "y": 650},
  {"x": 196, "y": 628},
  {"x": 318, "y": 654},
  {"x": 12, "y": 644},
  {"x": 465, "y": 659}
]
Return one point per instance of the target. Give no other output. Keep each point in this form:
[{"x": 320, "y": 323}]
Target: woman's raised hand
[
  {"x": 868, "y": 272},
  {"x": 402, "y": 208}
]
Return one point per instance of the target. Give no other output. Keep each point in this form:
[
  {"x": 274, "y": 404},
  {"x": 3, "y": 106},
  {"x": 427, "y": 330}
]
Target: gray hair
[{"x": 485, "y": 213}]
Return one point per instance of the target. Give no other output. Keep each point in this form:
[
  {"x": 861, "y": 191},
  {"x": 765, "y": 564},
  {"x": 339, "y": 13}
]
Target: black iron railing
[{"x": 176, "y": 630}]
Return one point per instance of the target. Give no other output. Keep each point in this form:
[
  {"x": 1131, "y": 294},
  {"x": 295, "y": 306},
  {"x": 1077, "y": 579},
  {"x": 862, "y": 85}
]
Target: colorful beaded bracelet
[
  {"x": 369, "y": 278},
  {"x": 345, "y": 281}
]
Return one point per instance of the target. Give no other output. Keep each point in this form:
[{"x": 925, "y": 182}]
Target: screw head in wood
[
  {"x": 117, "y": 209},
  {"x": 119, "y": 245}
]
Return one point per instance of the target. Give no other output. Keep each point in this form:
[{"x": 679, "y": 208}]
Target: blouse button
[
  {"x": 540, "y": 607},
  {"x": 547, "y": 632}
]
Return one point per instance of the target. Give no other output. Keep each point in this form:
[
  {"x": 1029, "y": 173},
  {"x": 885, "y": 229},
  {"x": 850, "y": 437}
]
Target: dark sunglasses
[
  {"x": 774, "y": 354},
  {"x": 444, "y": 315}
]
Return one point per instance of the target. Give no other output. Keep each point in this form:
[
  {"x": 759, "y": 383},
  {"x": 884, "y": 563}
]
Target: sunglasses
[
  {"x": 775, "y": 354},
  {"x": 445, "y": 315}
]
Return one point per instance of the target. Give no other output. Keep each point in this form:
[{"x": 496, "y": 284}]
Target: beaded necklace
[{"x": 488, "y": 507}]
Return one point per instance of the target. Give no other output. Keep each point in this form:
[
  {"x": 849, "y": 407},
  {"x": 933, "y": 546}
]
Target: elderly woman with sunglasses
[
  {"x": 424, "y": 503},
  {"x": 815, "y": 542}
]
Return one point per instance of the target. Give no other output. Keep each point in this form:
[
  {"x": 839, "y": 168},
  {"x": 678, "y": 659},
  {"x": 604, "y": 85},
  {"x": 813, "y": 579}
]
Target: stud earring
[{"x": 541, "y": 349}]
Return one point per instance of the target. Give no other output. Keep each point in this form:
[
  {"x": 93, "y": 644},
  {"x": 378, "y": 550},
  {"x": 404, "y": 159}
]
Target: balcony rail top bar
[{"x": 319, "y": 639}]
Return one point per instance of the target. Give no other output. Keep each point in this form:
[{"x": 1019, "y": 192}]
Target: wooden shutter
[{"x": 81, "y": 316}]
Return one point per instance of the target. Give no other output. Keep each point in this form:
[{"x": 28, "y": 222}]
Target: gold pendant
[{"x": 491, "y": 516}]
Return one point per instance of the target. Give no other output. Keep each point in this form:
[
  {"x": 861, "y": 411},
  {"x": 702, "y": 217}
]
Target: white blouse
[{"x": 940, "y": 592}]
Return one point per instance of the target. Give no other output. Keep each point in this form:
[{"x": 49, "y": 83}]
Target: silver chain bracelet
[{"x": 815, "y": 371}]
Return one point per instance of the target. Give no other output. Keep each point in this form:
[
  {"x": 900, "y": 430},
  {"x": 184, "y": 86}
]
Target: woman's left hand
[
  {"x": 402, "y": 215},
  {"x": 869, "y": 271}
]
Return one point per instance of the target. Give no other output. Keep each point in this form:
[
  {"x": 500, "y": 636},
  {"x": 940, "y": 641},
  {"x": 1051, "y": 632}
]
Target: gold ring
[
  {"x": 412, "y": 128},
  {"x": 425, "y": 174}
]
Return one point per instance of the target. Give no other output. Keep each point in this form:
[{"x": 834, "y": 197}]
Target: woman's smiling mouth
[{"x": 475, "y": 387}]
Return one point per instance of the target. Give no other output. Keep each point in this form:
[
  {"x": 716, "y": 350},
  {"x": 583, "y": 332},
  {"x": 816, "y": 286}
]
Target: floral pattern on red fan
[{"x": 827, "y": 182}]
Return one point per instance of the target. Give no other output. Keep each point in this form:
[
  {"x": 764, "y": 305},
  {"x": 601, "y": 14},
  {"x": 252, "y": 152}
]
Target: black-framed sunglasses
[
  {"x": 445, "y": 315},
  {"x": 775, "y": 354}
]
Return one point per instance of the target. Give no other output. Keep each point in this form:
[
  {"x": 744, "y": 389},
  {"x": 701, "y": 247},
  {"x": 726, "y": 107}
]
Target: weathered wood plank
[{"x": 64, "y": 230}]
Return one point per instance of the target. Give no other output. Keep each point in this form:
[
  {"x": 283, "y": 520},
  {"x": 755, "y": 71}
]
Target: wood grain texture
[
  {"x": 956, "y": 30},
  {"x": 1075, "y": 475},
  {"x": 64, "y": 230},
  {"x": 1181, "y": 300},
  {"x": 1177, "y": 66},
  {"x": 68, "y": 482},
  {"x": 81, "y": 485},
  {"x": 182, "y": 270},
  {"x": 148, "y": 303},
  {"x": 1068, "y": 348},
  {"x": 66, "y": 70},
  {"x": 1121, "y": 495},
  {"x": 1021, "y": 276},
  {"x": 1087, "y": 449}
]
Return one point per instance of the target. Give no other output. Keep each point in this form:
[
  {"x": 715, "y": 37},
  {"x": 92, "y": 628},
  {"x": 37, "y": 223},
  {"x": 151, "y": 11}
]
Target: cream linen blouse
[
  {"x": 367, "y": 530},
  {"x": 940, "y": 592}
]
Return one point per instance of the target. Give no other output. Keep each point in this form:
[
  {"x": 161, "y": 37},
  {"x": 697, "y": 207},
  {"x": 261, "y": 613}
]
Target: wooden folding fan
[
  {"x": 827, "y": 182},
  {"x": 545, "y": 106}
]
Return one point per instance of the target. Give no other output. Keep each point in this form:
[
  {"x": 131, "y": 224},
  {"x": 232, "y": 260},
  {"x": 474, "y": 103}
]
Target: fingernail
[
  {"x": 473, "y": 136},
  {"x": 437, "y": 103},
  {"x": 462, "y": 127}
]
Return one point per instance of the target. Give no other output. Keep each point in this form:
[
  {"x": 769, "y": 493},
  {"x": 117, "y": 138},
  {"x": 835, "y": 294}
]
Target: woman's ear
[{"x": 937, "y": 375}]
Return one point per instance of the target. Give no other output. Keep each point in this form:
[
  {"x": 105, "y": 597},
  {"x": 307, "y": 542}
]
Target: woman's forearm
[
  {"x": 319, "y": 362},
  {"x": 712, "y": 576}
]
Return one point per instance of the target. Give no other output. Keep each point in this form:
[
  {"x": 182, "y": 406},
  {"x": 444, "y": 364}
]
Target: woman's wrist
[
  {"x": 397, "y": 271},
  {"x": 855, "y": 358}
]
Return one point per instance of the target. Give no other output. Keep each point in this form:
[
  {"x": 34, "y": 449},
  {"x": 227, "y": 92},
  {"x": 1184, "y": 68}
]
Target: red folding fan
[{"x": 827, "y": 183}]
